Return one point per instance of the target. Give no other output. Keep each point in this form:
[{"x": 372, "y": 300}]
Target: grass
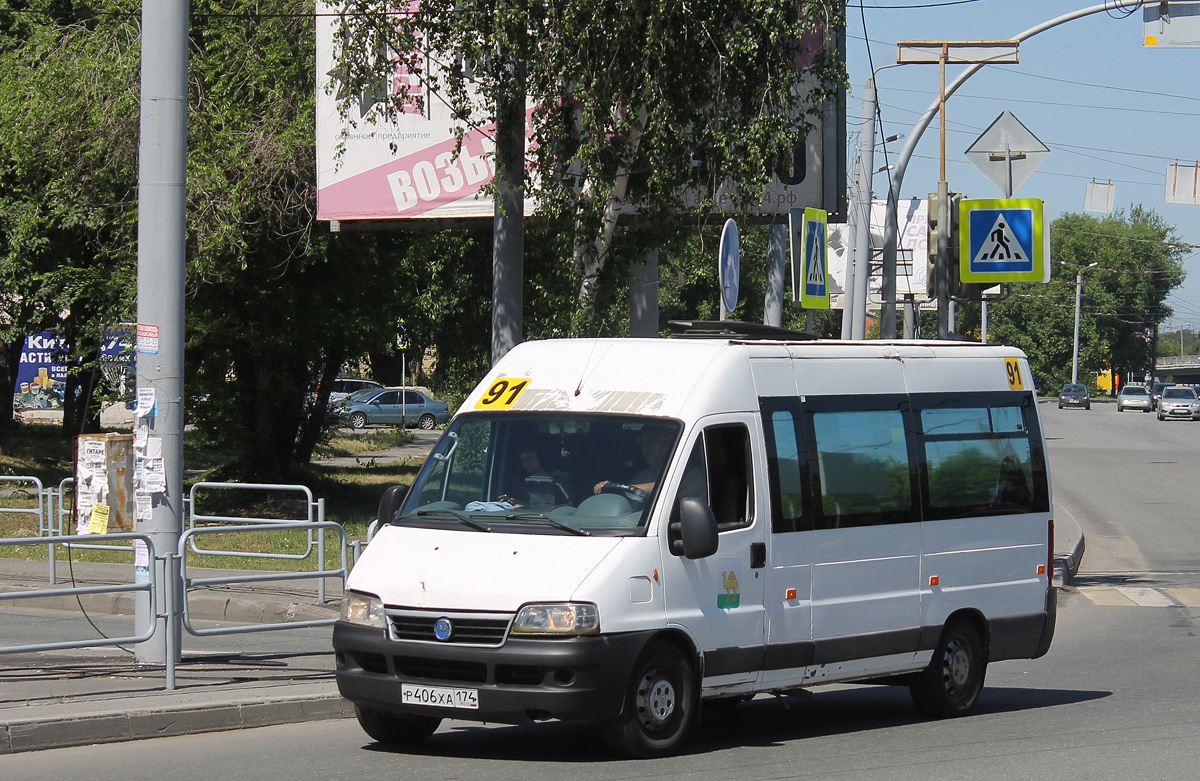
[{"x": 350, "y": 492}]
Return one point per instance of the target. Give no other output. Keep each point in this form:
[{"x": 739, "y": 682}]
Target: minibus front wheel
[
  {"x": 391, "y": 730},
  {"x": 952, "y": 682},
  {"x": 660, "y": 704}
]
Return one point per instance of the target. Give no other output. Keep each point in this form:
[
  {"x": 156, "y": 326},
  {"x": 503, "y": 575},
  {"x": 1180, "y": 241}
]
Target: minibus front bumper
[{"x": 521, "y": 681}]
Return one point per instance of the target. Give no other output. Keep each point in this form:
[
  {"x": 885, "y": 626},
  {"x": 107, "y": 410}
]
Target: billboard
[
  {"x": 407, "y": 168},
  {"x": 42, "y": 371},
  {"x": 912, "y": 253}
]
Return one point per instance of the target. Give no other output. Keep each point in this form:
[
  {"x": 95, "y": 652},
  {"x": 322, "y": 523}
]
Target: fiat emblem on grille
[{"x": 442, "y": 629}]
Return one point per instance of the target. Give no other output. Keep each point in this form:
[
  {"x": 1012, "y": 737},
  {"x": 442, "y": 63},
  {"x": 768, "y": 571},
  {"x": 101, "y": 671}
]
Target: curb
[{"x": 39, "y": 733}]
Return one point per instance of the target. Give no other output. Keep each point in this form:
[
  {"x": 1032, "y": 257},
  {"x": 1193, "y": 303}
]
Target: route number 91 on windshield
[{"x": 502, "y": 393}]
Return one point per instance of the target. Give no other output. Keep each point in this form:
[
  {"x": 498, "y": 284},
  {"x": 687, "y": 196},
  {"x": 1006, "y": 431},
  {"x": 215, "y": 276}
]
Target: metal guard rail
[
  {"x": 149, "y": 587},
  {"x": 322, "y": 573},
  {"x": 303, "y": 524}
]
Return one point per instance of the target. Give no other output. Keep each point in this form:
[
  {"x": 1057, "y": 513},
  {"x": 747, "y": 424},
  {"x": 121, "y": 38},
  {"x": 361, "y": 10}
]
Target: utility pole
[
  {"x": 162, "y": 205},
  {"x": 943, "y": 53},
  {"x": 891, "y": 220}
]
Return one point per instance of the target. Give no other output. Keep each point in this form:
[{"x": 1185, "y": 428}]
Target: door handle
[{"x": 758, "y": 555}]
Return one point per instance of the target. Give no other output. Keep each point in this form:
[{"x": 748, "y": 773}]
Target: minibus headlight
[
  {"x": 363, "y": 609},
  {"x": 559, "y": 618}
]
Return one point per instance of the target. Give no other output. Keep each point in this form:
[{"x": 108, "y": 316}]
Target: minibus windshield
[{"x": 543, "y": 473}]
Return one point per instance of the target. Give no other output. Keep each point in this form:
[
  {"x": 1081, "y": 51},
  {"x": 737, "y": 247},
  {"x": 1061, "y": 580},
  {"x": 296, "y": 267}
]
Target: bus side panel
[{"x": 990, "y": 565}]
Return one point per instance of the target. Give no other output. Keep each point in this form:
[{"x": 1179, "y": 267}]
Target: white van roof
[{"x": 685, "y": 377}]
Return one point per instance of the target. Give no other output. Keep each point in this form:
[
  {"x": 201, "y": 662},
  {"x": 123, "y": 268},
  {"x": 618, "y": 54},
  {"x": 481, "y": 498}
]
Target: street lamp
[{"x": 1078, "y": 295}]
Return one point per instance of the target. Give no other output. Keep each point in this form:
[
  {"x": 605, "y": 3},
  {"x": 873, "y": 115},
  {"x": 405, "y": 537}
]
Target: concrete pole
[
  {"x": 1075, "y": 354},
  {"x": 162, "y": 203},
  {"x": 983, "y": 324},
  {"x": 643, "y": 297},
  {"x": 861, "y": 203},
  {"x": 776, "y": 268}
]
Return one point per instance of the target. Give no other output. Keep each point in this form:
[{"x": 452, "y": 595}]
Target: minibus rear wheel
[
  {"x": 660, "y": 705},
  {"x": 391, "y": 730},
  {"x": 952, "y": 682}
]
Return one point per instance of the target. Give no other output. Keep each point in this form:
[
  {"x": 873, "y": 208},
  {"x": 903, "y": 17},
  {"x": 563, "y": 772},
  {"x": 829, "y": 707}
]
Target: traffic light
[{"x": 957, "y": 288}]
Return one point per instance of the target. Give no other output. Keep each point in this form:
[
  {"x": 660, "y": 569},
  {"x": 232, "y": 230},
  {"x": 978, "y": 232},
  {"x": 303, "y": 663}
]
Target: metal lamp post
[{"x": 1078, "y": 296}]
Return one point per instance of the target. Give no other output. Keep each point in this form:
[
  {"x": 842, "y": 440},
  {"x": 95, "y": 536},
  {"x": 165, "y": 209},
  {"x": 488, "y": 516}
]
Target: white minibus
[{"x": 619, "y": 530}]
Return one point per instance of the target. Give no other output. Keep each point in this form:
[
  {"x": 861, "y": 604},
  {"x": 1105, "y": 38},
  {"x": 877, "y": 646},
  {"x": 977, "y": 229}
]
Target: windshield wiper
[
  {"x": 552, "y": 521},
  {"x": 457, "y": 515}
]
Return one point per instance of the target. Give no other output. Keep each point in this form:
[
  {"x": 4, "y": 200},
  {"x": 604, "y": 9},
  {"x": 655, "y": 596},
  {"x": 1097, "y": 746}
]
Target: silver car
[
  {"x": 1179, "y": 402},
  {"x": 1135, "y": 397}
]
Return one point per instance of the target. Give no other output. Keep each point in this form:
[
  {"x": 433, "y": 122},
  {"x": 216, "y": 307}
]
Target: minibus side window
[
  {"x": 863, "y": 466},
  {"x": 981, "y": 458},
  {"x": 788, "y": 466},
  {"x": 719, "y": 470}
]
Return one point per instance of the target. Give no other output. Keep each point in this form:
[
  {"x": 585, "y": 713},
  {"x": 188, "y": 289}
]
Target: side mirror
[
  {"x": 390, "y": 503},
  {"x": 694, "y": 534}
]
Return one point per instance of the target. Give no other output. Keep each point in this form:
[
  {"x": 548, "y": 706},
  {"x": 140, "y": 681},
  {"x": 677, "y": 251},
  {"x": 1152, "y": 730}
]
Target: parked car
[
  {"x": 1135, "y": 397},
  {"x": 1074, "y": 395},
  {"x": 395, "y": 407},
  {"x": 1179, "y": 401},
  {"x": 344, "y": 386}
]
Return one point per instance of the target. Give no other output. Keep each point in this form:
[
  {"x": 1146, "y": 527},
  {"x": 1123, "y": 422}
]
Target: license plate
[{"x": 439, "y": 696}]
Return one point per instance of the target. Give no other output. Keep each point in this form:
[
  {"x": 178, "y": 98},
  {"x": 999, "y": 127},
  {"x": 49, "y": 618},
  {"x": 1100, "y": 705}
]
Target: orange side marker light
[{"x": 933, "y": 580}]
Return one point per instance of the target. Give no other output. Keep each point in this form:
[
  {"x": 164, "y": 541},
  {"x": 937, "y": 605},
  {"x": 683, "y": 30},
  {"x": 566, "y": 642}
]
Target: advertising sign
[
  {"x": 42, "y": 371},
  {"x": 408, "y": 168}
]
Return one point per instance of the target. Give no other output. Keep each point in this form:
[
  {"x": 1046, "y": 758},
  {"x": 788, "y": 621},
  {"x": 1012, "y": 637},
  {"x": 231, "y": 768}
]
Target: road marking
[{"x": 1132, "y": 596}]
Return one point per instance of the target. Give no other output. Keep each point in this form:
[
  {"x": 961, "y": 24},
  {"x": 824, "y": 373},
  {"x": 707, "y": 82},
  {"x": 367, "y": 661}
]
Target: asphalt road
[{"x": 1116, "y": 697}]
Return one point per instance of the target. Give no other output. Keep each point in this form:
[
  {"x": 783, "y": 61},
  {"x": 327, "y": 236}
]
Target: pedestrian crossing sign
[
  {"x": 1002, "y": 241},
  {"x": 810, "y": 257}
]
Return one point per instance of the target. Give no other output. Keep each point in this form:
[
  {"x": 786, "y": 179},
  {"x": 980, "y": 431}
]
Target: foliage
[
  {"x": 68, "y": 148},
  {"x": 666, "y": 105}
]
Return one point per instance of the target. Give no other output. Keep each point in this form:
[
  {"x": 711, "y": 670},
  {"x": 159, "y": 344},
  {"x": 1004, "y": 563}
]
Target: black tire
[
  {"x": 427, "y": 422},
  {"x": 951, "y": 684},
  {"x": 358, "y": 420},
  {"x": 393, "y": 730},
  {"x": 660, "y": 705}
]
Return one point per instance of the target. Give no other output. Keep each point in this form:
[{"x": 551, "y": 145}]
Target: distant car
[
  {"x": 1156, "y": 392},
  {"x": 1135, "y": 397},
  {"x": 394, "y": 407},
  {"x": 1179, "y": 401},
  {"x": 1074, "y": 395},
  {"x": 344, "y": 386}
]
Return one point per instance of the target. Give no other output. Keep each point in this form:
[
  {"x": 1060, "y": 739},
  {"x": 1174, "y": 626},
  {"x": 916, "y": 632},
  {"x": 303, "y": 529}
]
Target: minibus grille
[
  {"x": 426, "y": 669},
  {"x": 466, "y": 629}
]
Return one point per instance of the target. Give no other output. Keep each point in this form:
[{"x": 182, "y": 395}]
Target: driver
[{"x": 653, "y": 443}]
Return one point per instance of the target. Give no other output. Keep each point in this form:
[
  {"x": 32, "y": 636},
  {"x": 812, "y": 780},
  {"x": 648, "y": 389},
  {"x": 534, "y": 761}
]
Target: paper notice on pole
[
  {"x": 154, "y": 475},
  {"x": 141, "y": 554},
  {"x": 145, "y": 509},
  {"x": 145, "y": 402},
  {"x": 93, "y": 452},
  {"x": 154, "y": 446},
  {"x": 99, "y": 520},
  {"x": 140, "y": 435}
]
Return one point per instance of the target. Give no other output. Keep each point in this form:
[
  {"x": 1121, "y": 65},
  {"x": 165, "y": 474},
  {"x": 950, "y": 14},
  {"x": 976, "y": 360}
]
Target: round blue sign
[{"x": 729, "y": 265}]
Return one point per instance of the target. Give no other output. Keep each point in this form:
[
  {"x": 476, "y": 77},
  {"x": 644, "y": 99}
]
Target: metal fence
[{"x": 166, "y": 583}]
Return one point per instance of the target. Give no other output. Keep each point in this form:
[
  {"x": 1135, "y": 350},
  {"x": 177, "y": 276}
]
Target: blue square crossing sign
[{"x": 1001, "y": 241}]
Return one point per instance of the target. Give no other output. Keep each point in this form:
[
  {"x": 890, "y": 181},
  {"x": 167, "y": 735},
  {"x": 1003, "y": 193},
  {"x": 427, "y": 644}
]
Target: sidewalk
[{"x": 79, "y": 697}]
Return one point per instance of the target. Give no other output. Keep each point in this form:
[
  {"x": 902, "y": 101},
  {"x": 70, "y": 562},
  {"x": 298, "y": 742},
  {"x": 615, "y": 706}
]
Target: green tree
[
  {"x": 635, "y": 103},
  {"x": 68, "y": 142}
]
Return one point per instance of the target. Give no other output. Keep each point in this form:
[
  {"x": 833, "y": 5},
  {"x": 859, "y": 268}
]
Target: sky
[{"x": 1107, "y": 106}]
